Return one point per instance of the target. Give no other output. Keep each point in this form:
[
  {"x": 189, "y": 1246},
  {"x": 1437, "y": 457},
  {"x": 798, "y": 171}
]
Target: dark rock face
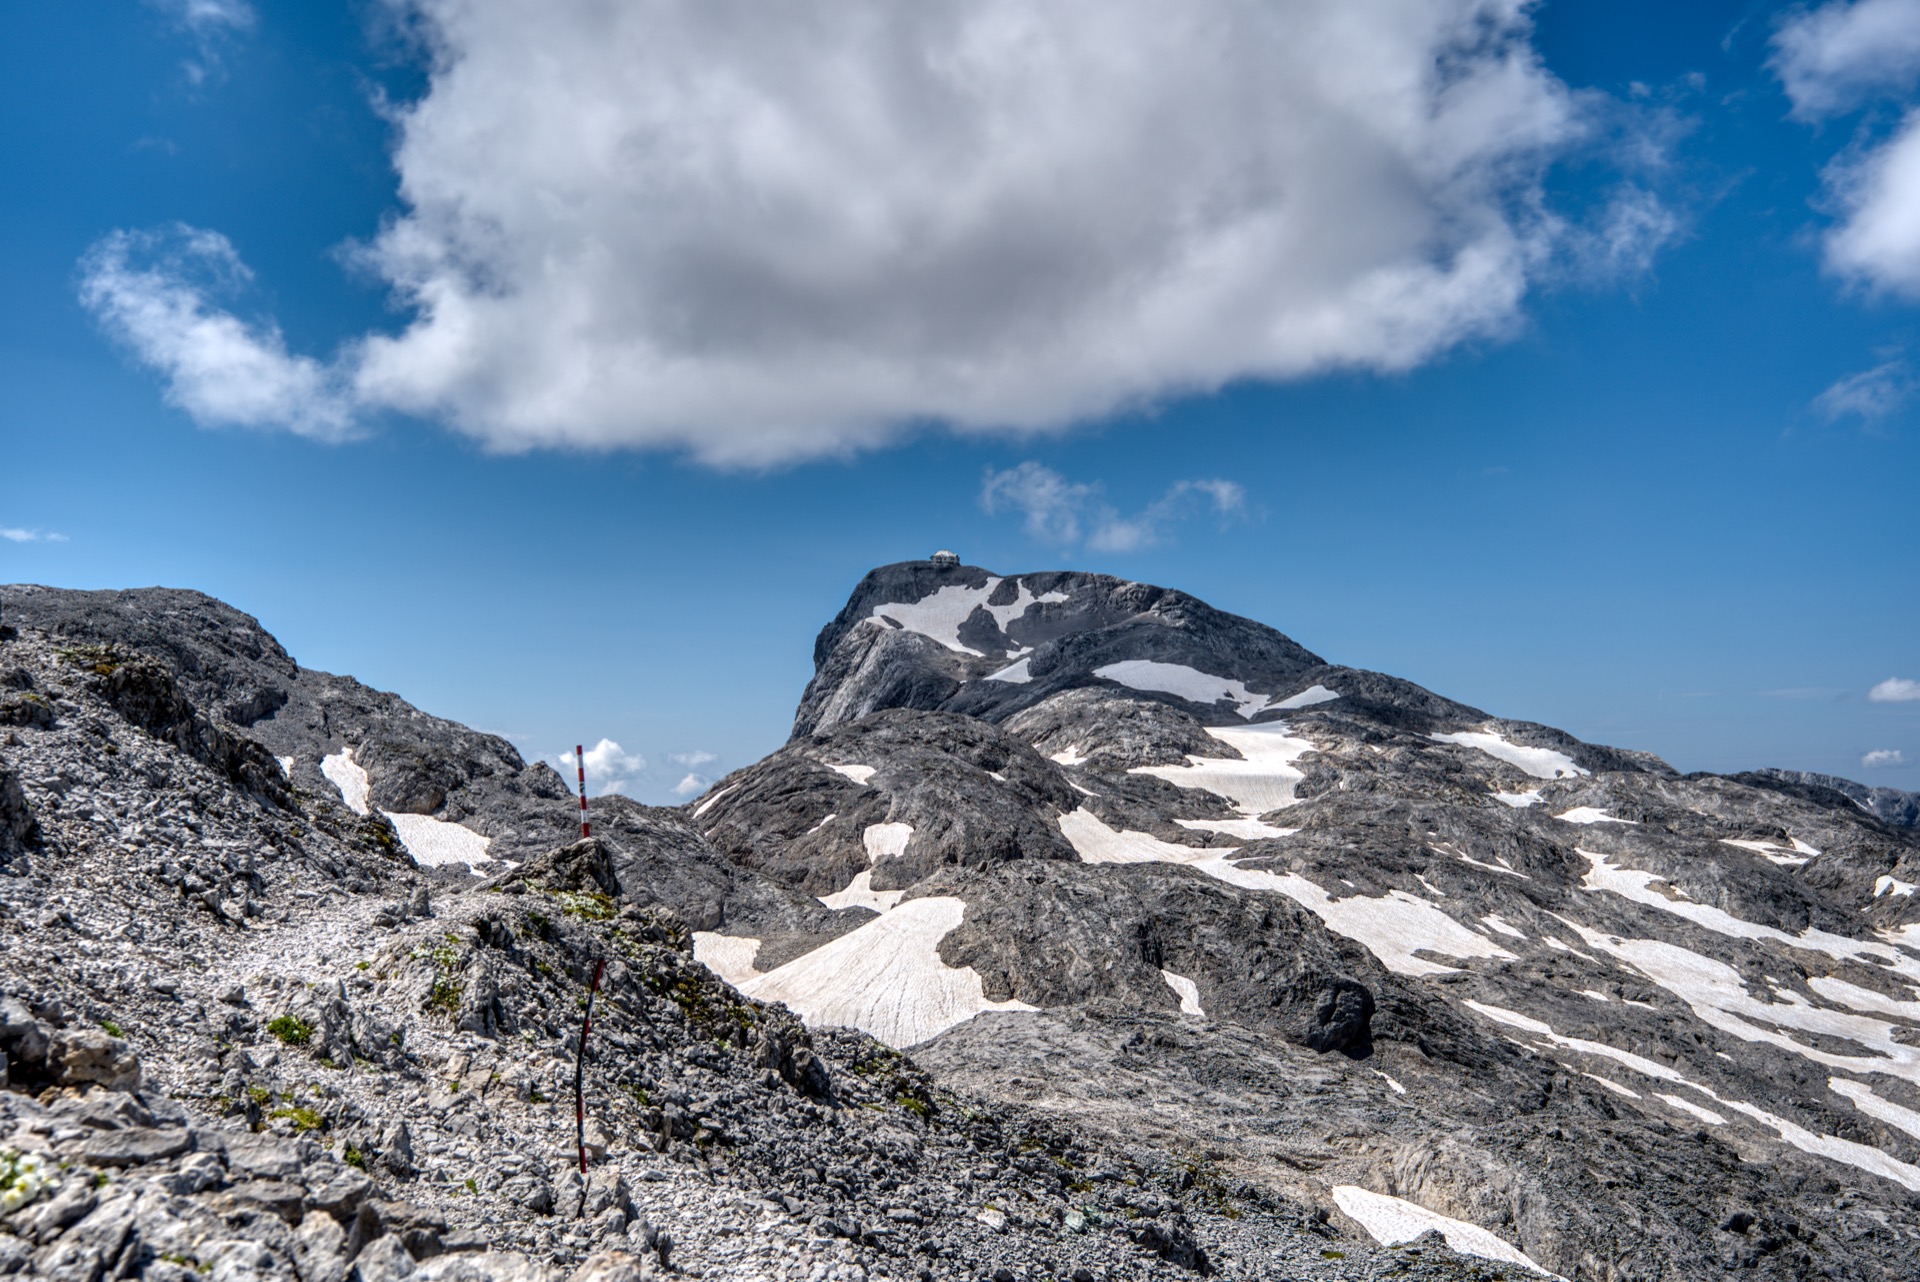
[{"x": 1889, "y": 805}]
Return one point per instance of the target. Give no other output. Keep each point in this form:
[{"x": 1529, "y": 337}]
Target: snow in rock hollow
[
  {"x": 346, "y": 775},
  {"x": 1014, "y": 672},
  {"x": 859, "y": 893},
  {"x": 286, "y": 766},
  {"x": 1588, "y": 815},
  {"x": 939, "y": 617},
  {"x": 859, "y": 774},
  {"x": 712, "y": 798},
  {"x": 1892, "y": 886},
  {"x": 1391, "y": 1221},
  {"x": 431, "y": 842},
  {"x": 1770, "y": 851},
  {"x": 1262, "y": 780},
  {"x": 1245, "y": 829},
  {"x": 435, "y": 842},
  {"x": 1518, "y": 800},
  {"x": 728, "y": 956},
  {"x": 1859, "y": 1156},
  {"x": 1394, "y": 927},
  {"x": 885, "y": 840},
  {"x": 1541, "y": 763},
  {"x": 1307, "y": 698},
  {"x": 1184, "y": 682},
  {"x": 1186, "y": 990},
  {"x": 885, "y": 978},
  {"x": 1637, "y": 886}
]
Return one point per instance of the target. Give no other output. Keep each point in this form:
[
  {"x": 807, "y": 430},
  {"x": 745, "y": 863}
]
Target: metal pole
[{"x": 580, "y": 765}]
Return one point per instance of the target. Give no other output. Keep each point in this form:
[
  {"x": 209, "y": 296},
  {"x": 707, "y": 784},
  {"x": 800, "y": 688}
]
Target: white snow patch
[
  {"x": 340, "y": 768},
  {"x": 1247, "y": 829},
  {"x": 1717, "y": 995},
  {"x": 1613, "y": 1086},
  {"x": 1494, "y": 920},
  {"x": 1706, "y": 1115},
  {"x": 1186, "y": 990},
  {"x": 1518, "y": 800},
  {"x": 431, "y": 842},
  {"x": 1262, "y": 780},
  {"x": 1308, "y": 697},
  {"x": 1637, "y": 886},
  {"x": 1588, "y": 815},
  {"x": 823, "y": 823},
  {"x": 1096, "y": 843},
  {"x": 1391, "y": 1221},
  {"x": 286, "y": 766},
  {"x": 1561, "y": 946},
  {"x": 1892, "y": 886},
  {"x": 859, "y": 774},
  {"x": 1430, "y": 888},
  {"x": 435, "y": 842},
  {"x": 885, "y": 978},
  {"x": 1187, "y": 683},
  {"x": 1015, "y": 672},
  {"x": 883, "y": 840},
  {"x": 1085, "y": 792},
  {"x": 1464, "y": 857},
  {"x": 1396, "y": 1087},
  {"x": 1541, "y": 763},
  {"x": 713, "y": 797},
  {"x": 1393, "y": 928},
  {"x": 728, "y": 956},
  {"x": 938, "y": 617},
  {"x": 1872, "y": 1105},
  {"x": 1594, "y": 995},
  {"x": 1839, "y": 990},
  {"x": 1803, "y": 847},
  {"x": 1771, "y": 851},
  {"x": 1068, "y": 757},
  {"x": 859, "y": 893}
]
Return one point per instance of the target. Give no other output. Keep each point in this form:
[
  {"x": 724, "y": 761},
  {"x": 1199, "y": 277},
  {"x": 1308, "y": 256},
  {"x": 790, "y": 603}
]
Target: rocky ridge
[{"x": 256, "y": 1022}]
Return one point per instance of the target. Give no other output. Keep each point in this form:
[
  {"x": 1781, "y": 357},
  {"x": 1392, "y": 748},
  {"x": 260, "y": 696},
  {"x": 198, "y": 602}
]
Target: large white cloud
[
  {"x": 759, "y": 233},
  {"x": 1837, "y": 58}
]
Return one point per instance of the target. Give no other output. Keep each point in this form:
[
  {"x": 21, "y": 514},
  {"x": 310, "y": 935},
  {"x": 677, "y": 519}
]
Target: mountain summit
[{"x": 1125, "y": 936}]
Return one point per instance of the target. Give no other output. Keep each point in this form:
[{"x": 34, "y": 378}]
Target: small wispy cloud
[
  {"x": 610, "y": 768},
  {"x": 1869, "y": 395},
  {"x": 694, "y": 780},
  {"x": 209, "y": 15},
  {"x": 1884, "y": 757},
  {"x": 1067, "y": 513},
  {"x": 1895, "y": 690},
  {"x": 13, "y": 535}
]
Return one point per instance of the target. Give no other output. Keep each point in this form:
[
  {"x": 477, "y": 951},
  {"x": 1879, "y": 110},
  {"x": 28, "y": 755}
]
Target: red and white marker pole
[{"x": 580, "y": 763}]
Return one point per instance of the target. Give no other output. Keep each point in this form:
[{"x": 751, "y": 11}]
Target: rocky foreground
[{"x": 263, "y": 1015}]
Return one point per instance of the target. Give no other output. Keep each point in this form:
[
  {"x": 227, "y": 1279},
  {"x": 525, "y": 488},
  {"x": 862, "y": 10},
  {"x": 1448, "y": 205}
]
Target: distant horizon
[
  {"x": 609, "y": 763},
  {"x": 1562, "y": 358}
]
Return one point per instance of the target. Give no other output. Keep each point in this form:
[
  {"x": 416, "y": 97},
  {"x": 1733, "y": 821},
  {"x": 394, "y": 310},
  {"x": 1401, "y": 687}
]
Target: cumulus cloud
[
  {"x": 1877, "y": 240},
  {"x": 1834, "y": 59},
  {"x": 610, "y": 768},
  {"x": 761, "y": 233},
  {"x": 689, "y": 784},
  {"x": 1065, "y": 513},
  {"x": 1869, "y": 395},
  {"x": 13, "y": 534},
  {"x": 158, "y": 293},
  {"x": 1895, "y": 690},
  {"x": 1884, "y": 757}
]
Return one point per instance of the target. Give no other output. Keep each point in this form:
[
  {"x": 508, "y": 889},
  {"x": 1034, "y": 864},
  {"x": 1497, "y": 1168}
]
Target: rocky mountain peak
[{"x": 964, "y": 639}]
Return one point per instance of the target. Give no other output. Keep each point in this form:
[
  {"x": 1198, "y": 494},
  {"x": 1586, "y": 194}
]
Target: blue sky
[{"x": 564, "y": 379}]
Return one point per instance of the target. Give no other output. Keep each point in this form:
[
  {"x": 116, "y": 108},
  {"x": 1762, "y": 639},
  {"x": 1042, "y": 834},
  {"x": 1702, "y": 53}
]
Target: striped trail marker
[{"x": 580, "y": 764}]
